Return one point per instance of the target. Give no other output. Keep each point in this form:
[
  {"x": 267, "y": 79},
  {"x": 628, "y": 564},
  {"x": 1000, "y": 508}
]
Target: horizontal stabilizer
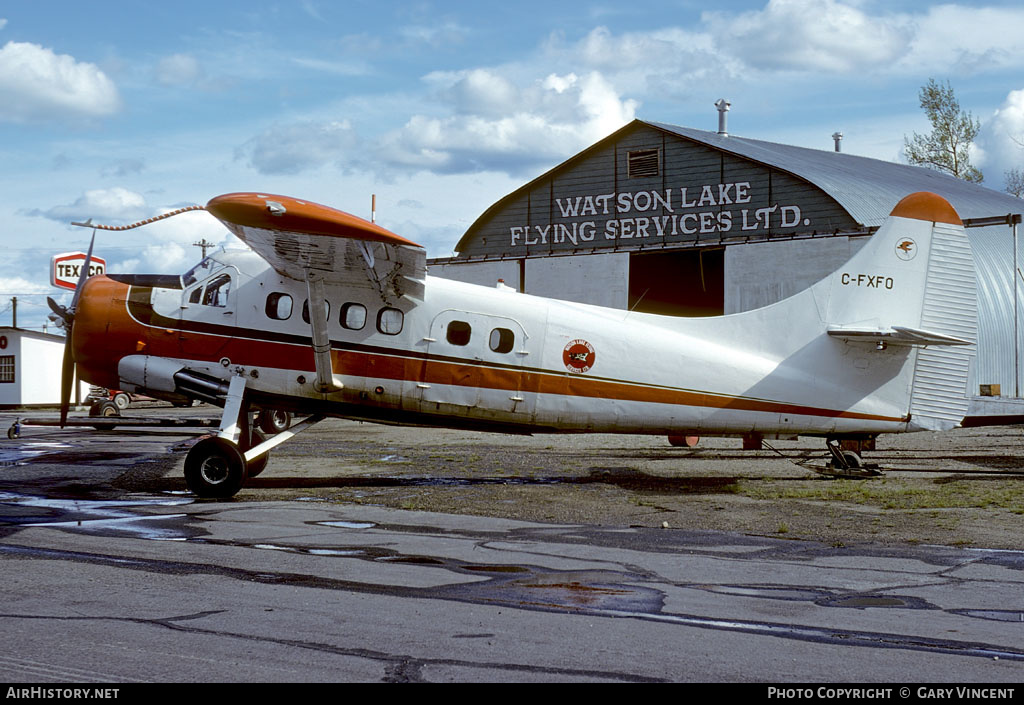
[{"x": 896, "y": 335}]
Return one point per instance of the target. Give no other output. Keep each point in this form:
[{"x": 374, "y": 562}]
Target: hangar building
[{"x": 673, "y": 220}]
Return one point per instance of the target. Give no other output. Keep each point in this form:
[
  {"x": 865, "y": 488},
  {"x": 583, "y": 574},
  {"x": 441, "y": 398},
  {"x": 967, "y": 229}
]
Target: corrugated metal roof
[{"x": 867, "y": 188}]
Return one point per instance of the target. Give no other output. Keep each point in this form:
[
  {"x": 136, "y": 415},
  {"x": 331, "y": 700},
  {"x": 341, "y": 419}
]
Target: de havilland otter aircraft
[{"x": 328, "y": 314}]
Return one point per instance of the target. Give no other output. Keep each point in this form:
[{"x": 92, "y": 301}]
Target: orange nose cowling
[{"x": 98, "y": 341}]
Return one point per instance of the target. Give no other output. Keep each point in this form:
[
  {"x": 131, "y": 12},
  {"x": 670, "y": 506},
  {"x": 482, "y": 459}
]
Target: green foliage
[
  {"x": 953, "y": 130},
  {"x": 1015, "y": 182}
]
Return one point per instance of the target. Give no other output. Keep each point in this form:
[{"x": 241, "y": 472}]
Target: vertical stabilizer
[{"x": 913, "y": 284}]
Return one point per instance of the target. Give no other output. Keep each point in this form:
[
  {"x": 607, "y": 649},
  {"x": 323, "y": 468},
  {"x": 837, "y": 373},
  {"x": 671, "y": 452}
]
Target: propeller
[{"x": 67, "y": 315}]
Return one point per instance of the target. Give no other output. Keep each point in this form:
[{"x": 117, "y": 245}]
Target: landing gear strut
[{"x": 218, "y": 467}]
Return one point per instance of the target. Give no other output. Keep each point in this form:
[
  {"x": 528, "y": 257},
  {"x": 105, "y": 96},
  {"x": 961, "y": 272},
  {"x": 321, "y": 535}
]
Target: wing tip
[{"x": 275, "y": 212}]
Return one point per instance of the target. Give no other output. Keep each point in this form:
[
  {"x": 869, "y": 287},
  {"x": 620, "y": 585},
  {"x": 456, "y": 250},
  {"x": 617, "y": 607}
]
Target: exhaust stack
[{"x": 723, "y": 107}]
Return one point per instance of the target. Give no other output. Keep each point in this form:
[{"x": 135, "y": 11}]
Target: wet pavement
[{"x": 103, "y": 584}]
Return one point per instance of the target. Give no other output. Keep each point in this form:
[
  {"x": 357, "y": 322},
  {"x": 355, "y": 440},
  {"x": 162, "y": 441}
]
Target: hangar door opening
[{"x": 679, "y": 283}]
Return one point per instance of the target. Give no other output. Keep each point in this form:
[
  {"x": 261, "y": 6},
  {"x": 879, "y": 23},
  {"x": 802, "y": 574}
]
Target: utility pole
[
  {"x": 14, "y": 310},
  {"x": 204, "y": 244}
]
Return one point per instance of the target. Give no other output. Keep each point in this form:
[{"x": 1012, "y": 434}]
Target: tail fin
[{"x": 913, "y": 284}]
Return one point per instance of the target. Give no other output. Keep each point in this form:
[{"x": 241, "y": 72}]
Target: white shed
[{"x": 30, "y": 365}]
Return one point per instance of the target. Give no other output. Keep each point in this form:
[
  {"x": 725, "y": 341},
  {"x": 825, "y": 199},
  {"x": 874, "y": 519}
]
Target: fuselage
[{"x": 482, "y": 357}]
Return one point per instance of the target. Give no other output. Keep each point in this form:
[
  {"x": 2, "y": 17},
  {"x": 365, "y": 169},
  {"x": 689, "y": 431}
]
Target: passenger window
[
  {"x": 353, "y": 316},
  {"x": 279, "y": 306},
  {"x": 216, "y": 292},
  {"x": 390, "y": 320},
  {"x": 502, "y": 340},
  {"x": 196, "y": 294},
  {"x": 459, "y": 333},
  {"x": 305, "y": 309}
]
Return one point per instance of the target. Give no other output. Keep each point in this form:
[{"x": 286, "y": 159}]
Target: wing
[{"x": 300, "y": 238}]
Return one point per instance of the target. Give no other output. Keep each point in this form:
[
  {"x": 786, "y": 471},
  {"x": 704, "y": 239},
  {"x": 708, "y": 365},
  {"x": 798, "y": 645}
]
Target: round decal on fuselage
[
  {"x": 578, "y": 356},
  {"x": 906, "y": 249}
]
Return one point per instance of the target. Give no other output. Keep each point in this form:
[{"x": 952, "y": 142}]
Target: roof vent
[
  {"x": 723, "y": 107},
  {"x": 837, "y": 137}
]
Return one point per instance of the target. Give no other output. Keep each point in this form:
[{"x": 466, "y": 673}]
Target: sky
[{"x": 120, "y": 111}]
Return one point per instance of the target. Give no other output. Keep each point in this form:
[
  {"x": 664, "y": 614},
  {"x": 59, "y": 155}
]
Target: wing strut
[{"x": 321, "y": 341}]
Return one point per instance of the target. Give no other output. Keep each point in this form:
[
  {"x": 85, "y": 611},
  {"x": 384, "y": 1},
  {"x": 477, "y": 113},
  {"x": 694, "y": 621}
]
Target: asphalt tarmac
[{"x": 367, "y": 553}]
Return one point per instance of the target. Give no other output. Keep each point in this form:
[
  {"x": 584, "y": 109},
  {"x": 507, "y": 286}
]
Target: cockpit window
[
  {"x": 196, "y": 273},
  {"x": 216, "y": 292}
]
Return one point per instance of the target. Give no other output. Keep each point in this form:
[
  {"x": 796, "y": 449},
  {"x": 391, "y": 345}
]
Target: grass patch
[{"x": 897, "y": 494}]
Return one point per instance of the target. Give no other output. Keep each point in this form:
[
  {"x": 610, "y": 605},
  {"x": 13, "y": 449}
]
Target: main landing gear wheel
[
  {"x": 273, "y": 421},
  {"x": 215, "y": 468}
]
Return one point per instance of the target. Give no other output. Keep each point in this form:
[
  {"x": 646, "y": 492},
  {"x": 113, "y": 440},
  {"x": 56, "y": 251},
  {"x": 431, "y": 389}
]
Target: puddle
[
  {"x": 862, "y": 601},
  {"x": 346, "y": 524},
  {"x": 994, "y": 615},
  {"x": 107, "y": 517},
  {"x": 771, "y": 593},
  {"x": 26, "y": 452}
]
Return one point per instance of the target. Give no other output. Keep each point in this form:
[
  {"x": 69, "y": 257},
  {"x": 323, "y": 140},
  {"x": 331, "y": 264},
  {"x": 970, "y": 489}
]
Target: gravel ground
[{"x": 963, "y": 488}]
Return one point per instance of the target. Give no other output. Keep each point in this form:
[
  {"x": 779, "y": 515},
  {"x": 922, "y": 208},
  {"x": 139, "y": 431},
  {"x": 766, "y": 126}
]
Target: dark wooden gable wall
[{"x": 699, "y": 195}]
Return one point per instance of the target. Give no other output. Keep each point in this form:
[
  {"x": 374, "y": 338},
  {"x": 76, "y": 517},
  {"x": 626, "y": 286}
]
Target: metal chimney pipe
[
  {"x": 723, "y": 107},
  {"x": 837, "y": 137}
]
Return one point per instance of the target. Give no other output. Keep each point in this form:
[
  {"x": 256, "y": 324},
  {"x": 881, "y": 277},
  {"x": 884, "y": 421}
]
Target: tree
[
  {"x": 953, "y": 130},
  {"x": 1015, "y": 182}
]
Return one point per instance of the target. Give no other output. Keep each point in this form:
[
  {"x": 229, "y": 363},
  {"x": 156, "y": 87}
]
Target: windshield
[{"x": 196, "y": 273}]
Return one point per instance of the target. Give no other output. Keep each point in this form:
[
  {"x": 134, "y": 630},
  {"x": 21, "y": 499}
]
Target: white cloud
[
  {"x": 37, "y": 84},
  {"x": 436, "y": 35},
  {"x": 339, "y": 68},
  {"x": 20, "y": 286},
  {"x": 512, "y": 129},
  {"x": 1000, "y": 144},
  {"x": 123, "y": 167},
  {"x": 106, "y": 206},
  {"x": 479, "y": 92},
  {"x": 811, "y": 35},
  {"x": 178, "y": 70},
  {"x": 291, "y": 149},
  {"x": 965, "y": 40},
  {"x": 817, "y": 37}
]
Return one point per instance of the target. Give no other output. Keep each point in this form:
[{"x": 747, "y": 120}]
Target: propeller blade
[
  {"x": 67, "y": 371},
  {"x": 84, "y": 274},
  {"x": 60, "y": 311},
  {"x": 67, "y": 378}
]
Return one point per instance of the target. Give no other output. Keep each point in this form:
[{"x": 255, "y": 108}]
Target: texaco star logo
[{"x": 578, "y": 356}]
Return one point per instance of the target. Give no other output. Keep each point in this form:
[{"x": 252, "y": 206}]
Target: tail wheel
[
  {"x": 104, "y": 408},
  {"x": 215, "y": 468}
]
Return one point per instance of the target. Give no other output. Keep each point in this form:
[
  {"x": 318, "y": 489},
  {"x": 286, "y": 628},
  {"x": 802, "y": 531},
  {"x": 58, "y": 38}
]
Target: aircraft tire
[
  {"x": 258, "y": 465},
  {"x": 215, "y": 468},
  {"x": 121, "y": 400},
  {"x": 273, "y": 421},
  {"x": 104, "y": 408}
]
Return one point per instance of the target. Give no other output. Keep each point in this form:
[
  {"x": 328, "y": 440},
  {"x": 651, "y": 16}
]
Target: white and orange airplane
[{"x": 331, "y": 315}]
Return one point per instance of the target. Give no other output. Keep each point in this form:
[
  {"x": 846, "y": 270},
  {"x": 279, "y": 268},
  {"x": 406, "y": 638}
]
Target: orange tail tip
[{"x": 924, "y": 205}]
